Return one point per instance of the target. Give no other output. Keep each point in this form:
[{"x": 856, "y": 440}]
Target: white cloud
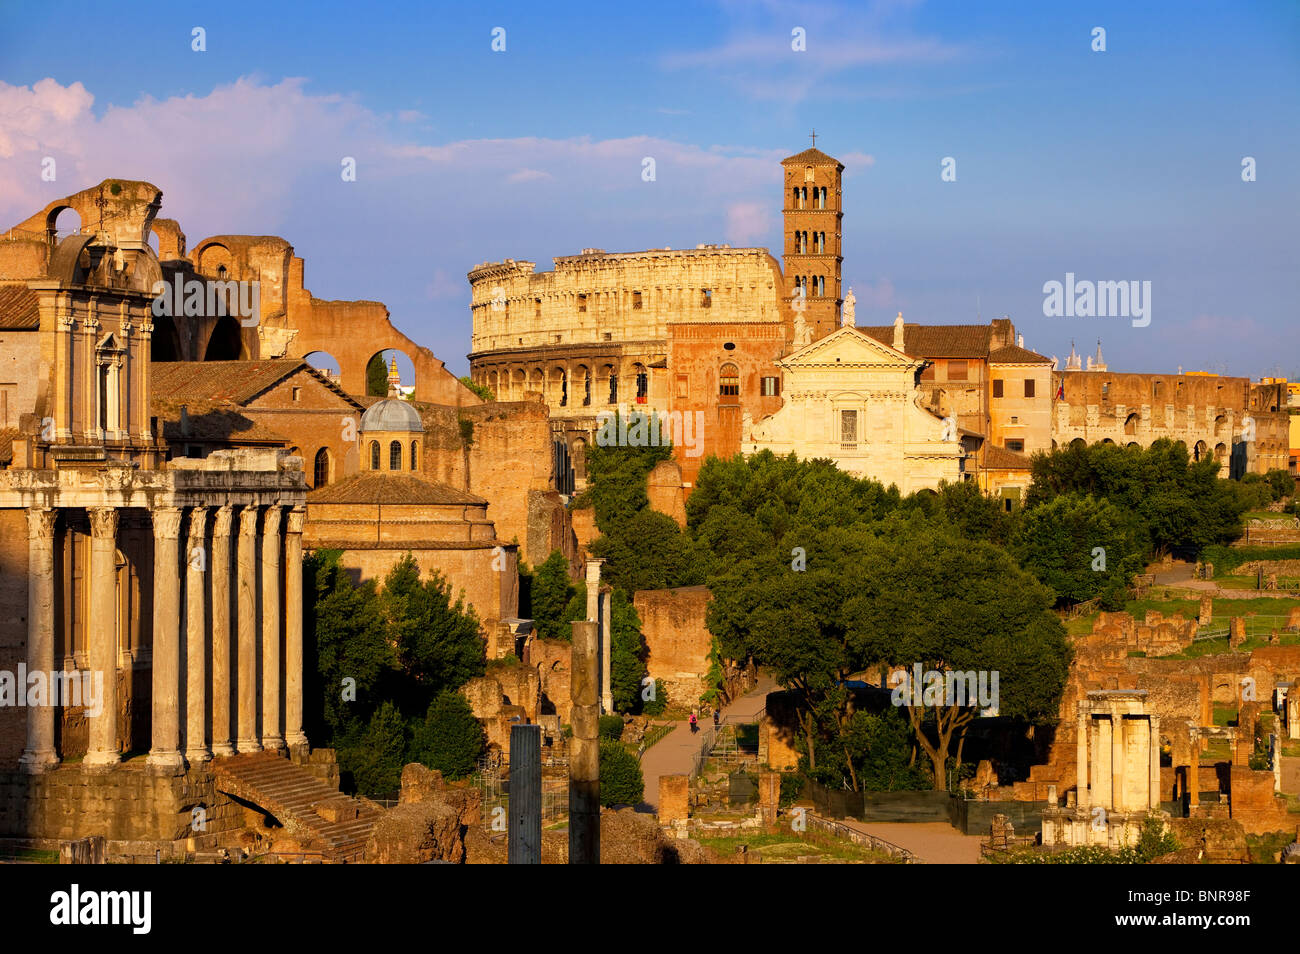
[{"x": 747, "y": 222}]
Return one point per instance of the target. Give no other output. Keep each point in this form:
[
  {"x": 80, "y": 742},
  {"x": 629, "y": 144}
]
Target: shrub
[
  {"x": 611, "y": 727},
  {"x": 656, "y": 705},
  {"x": 450, "y": 740},
  {"x": 621, "y": 782}
]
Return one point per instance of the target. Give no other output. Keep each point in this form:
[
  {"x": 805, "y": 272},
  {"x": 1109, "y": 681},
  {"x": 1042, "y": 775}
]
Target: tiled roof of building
[
  {"x": 999, "y": 458},
  {"x": 185, "y": 382},
  {"x": 1017, "y": 355},
  {"x": 19, "y": 309},
  {"x": 813, "y": 155},
  {"x": 211, "y": 421},
  {"x": 381, "y": 488},
  {"x": 937, "y": 341}
]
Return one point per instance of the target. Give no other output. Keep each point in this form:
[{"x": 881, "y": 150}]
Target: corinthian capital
[
  {"x": 40, "y": 523},
  {"x": 272, "y": 524},
  {"x": 297, "y": 517},
  {"x": 103, "y": 522},
  {"x": 166, "y": 523}
]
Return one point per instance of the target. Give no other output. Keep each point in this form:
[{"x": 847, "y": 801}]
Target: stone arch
[
  {"x": 578, "y": 454},
  {"x": 1132, "y": 445},
  {"x": 1221, "y": 450},
  {"x": 537, "y": 381},
  {"x": 212, "y": 257},
  {"x": 493, "y": 384},
  {"x": 1199, "y": 451},
  {"x": 1107, "y": 440},
  {"x": 325, "y": 363},
  {"x": 61, "y": 222},
  {"x": 1220, "y": 423},
  {"x": 405, "y": 369},
  {"x": 1131, "y": 423},
  {"x": 640, "y": 382},
  {"x": 557, "y": 392},
  {"x": 518, "y": 382},
  {"x": 1078, "y": 442},
  {"x": 582, "y": 381},
  {"x": 607, "y": 382}
]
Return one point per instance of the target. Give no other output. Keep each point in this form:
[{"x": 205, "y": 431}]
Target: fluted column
[
  {"x": 103, "y": 748},
  {"x": 1154, "y": 728},
  {"x": 247, "y": 602},
  {"x": 165, "y": 749},
  {"x": 196, "y": 649},
  {"x": 219, "y": 581},
  {"x": 39, "y": 753},
  {"x": 293, "y": 675},
  {"x": 271, "y": 737},
  {"x": 1117, "y": 760},
  {"x": 1081, "y": 754}
]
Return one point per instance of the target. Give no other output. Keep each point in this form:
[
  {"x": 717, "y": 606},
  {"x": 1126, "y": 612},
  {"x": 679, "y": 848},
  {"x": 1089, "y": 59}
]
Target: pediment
[{"x": 847, "y": 347}]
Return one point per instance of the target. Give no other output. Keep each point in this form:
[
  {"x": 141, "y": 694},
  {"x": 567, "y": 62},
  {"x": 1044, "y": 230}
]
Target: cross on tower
[{"x": 814, "y": 138}]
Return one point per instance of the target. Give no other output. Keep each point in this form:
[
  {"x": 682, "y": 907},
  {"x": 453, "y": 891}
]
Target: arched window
[
  {"x": 374, "y": 455},
  {"x": 395, "y": 455},
  {"x": 414, "y": 453},
  {"x": 729, "y": 381},
  {"x": 321, "y": 468},
  {"x": 1130, "y": 424}
]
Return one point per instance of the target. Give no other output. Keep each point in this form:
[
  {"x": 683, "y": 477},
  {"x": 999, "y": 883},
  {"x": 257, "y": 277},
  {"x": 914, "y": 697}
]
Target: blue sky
[{"x": 1115, "y": 165}]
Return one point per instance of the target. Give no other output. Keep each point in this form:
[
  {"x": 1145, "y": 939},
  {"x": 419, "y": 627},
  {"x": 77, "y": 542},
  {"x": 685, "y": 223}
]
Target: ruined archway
[
  {"x": 325, "y": 363},
  {"x": 226, "y": 341},
  {"x": 379, "y": 373}
]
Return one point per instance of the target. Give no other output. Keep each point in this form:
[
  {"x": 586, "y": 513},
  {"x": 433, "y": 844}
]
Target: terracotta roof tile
[
  {"x": 211, "y": 421},
  {"x": 813, "y": 155},
  {"x": 19, "y": 308},
  {"x": 238, "y": 382},
  {"x": 936, "y": 341},
  {"x": 1017, "y": 355},
  {"x": 381, "y": 488},
  {"x": 999, "y": 458}
]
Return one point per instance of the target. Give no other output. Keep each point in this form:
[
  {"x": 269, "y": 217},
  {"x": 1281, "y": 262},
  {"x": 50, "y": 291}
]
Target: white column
[
  {"x": 39, "y": 753},
  {"x": 103, "y": 749},
  {"x": 1117, "y": 759},
  {"x": 196, "y": 648},
  {"x": 293, "y": 674},
  {"x": 1154, "y": 728},
  {"x": 1081, "y": 753},
  {"x": 219, "y": 581},
  {"x": 247, "y": 583},
  {"x": 165, "y": 746},
  {"x": 271, "y": 737}
]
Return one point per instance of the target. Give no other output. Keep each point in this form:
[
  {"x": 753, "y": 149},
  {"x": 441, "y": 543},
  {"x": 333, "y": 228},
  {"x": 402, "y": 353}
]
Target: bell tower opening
[{"x": 811, "y": 254}]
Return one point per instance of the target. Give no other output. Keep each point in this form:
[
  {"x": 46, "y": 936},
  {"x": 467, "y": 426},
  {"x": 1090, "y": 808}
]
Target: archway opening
[
  {"x": 226, "y": 342},
  {"x": 380, "y": 373},
  {"x": 325, "y": 363}
]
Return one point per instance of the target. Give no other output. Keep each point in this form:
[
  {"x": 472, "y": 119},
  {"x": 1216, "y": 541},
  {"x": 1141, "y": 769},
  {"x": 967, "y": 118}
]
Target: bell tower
[{"x": 813, "y": 211}]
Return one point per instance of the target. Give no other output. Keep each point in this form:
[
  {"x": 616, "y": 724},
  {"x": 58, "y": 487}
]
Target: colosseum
[{"x": 669, "y": 329}]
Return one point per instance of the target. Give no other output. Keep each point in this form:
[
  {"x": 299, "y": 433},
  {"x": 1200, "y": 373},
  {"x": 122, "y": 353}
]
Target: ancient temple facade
[{"x": 150, "y": 609}]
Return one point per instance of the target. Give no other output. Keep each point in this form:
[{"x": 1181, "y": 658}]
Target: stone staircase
[{"x": 309, "y": 810}]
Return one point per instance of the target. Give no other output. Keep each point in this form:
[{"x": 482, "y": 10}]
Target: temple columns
[
  {"x": 165, "y": 749},
  {"x": 39, "y": 753},
  {"x": 1081, "y": 754},
  {"x": 271, "y": 737},
  {"x": 247, "y": 601},
  {"x": 1154, "y": 729},
  {"x": 103, "y": 749},
  {"x": 221, "y": 674},
  {"x": 293, "y": 675},
  {"x": 196, "y": 651}
]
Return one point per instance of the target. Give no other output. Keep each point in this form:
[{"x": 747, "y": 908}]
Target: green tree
[
  {"x": 616, "y": 473},
  {"x": 450, "y": 739},
  {"x": 353, "y": 652},
  {"x": 375, "y": 761},
  {"x": 377, "y": 376},
  {"x": 1183, "y": 504},
  {"x": 647, "y": 551},
  {"x": 481, "y": 390},
  {"x": 952, "y": 604},
  {"x": 621, "y": 781},
  {"x": 1081, "y": 548},
  {"x": 550, "y": 593},
  {"x": 438, "y": 642}
]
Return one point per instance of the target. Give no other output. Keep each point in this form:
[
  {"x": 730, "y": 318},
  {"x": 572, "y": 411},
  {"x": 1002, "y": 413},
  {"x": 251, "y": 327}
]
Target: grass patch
[
  {"x": 787, "y": 848},
  {"x": 1224, "y": 715},
  {"x": 1264, "y": 848}
]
